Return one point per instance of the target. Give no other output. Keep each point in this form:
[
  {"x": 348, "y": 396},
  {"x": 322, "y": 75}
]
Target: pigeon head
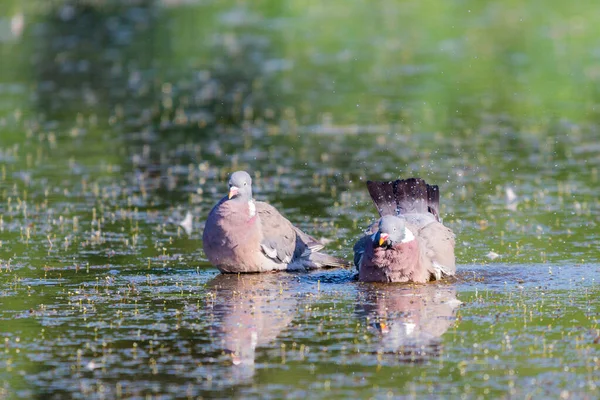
[
  {"x": 240, "y": 186},
  {"x": 391, "y": 231}
]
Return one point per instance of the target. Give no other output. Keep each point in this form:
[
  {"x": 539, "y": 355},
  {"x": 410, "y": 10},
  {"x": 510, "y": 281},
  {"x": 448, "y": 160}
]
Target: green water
[{"x": 116, "y": 120}]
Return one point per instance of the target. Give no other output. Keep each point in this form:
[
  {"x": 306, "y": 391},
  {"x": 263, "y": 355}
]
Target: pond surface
[{"x": 116, "y": 120}]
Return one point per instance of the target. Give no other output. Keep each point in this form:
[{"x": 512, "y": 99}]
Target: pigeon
[
  {"x": 408, "y": 243},
  {"x": 243, "y": 235}
]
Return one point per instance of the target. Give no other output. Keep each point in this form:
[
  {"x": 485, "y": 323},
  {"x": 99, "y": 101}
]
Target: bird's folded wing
[
  {"x": 362, "y": 243},
  {"x": 359, "y": 249},
  {"x": 311, "y": 243},
  {"x": 438, "y": 243},
  {"x": 279, "y": 235}
]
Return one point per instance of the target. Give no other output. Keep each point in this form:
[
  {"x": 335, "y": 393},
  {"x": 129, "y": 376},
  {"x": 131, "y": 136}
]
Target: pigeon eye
[{"x": 245, "y": 183}]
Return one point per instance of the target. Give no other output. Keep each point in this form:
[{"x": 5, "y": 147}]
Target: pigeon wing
[{"x": 279, "y": 235}]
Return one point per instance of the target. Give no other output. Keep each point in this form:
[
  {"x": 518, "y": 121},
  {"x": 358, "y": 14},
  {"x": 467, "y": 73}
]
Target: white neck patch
[
  {"x": 252, "y": 208},
  {"x": 408, "y": 236}
]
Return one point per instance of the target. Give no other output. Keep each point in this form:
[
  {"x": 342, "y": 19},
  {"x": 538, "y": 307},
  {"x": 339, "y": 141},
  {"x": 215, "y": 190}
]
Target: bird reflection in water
[
  {"x": 409, "y": 319},
  {"x": 250, "y": 311}
]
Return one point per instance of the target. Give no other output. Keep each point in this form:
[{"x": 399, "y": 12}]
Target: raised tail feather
[
  {"x": 433, "y": 200},
  {"x": 405, "y": 196}
]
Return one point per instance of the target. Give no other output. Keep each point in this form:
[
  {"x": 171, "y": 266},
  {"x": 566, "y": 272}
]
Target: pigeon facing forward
[
  {"x": 244, "y": 235},
  {"x": 408, "y": 243}
]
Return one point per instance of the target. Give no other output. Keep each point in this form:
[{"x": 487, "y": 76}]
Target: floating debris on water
[{"x": 187, "y": 222}]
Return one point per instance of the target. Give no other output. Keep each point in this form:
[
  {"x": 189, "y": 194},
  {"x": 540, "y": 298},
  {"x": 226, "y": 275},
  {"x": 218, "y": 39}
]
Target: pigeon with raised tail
[{"x": 408, "y": 243}]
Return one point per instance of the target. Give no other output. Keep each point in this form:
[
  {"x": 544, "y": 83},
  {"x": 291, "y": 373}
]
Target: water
[{"x": 115, "y": 121}]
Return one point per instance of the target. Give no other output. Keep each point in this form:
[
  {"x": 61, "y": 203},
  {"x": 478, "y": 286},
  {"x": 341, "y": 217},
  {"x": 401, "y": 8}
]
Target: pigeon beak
[
  {"x": 383, "y": 238},
  {"x": 384, "y": 328},
  {"x": 233, "y": 190}
]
